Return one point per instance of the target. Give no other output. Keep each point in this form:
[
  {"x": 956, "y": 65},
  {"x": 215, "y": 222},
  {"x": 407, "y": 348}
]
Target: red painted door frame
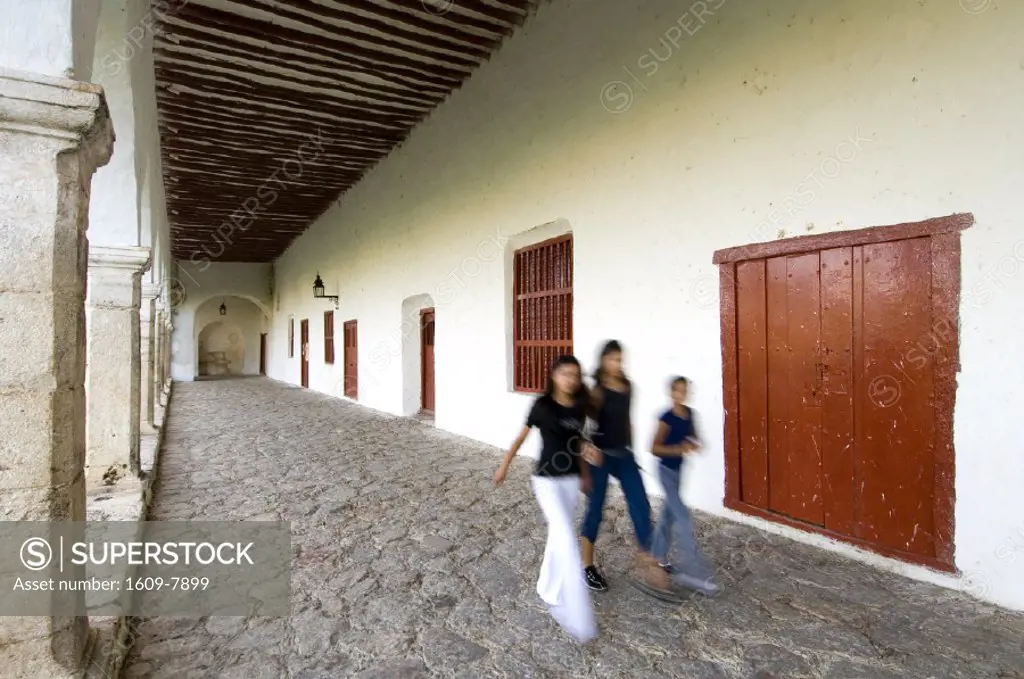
[
  {"x": 304, "y": 344},
  {"x": 263, "y": 353},
  {"x": 351, "y": 334},
  {"x": 427, "y": 388}
]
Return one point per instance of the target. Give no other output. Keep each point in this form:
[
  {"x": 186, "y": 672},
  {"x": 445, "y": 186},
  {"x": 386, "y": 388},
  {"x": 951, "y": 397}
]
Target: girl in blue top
[{"x": 675, "y": 438}]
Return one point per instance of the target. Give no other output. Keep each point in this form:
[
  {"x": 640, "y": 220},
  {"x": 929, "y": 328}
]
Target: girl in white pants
[{"x": 560, "y": 414}]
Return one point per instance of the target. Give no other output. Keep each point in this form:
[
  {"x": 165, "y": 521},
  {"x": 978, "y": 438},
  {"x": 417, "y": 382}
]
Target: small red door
[
  {"x": 304, "y": 343},
  {"x": 351, "y": 360},
  {"x": 427, "y": 360},
  {"x": 263, "y": 353}
]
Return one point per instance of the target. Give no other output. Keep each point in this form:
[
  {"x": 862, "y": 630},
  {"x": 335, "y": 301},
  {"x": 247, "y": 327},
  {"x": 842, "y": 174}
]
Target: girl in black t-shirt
[
  {"x": 611, "y": 401},
  {"x": 560, "y": 414}
]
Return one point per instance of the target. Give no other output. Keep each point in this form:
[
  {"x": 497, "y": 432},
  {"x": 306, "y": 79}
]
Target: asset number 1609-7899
[{"x": 183, "y": 584}]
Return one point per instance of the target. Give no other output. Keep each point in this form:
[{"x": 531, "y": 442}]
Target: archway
[
  {"x": 221, "y": 350},
  {"x": 228, "y": 344},
  {"x": 412, "y": 353}
]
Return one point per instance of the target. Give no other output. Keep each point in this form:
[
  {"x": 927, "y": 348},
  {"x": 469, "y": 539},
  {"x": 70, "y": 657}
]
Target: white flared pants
[{"x": 561, "y": 585}]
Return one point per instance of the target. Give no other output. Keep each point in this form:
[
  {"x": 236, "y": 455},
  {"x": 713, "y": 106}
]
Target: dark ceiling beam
[
  {"x": 192, "y": 35},
  {"x": 409, "y": 42},
  {"x": 278, "y": 155},
  {"x": 199, "y": 107},
  {"x": 504, "y": 19},
  {"x": 206, "y": 124},
  {"x": 195, "y": 69},
  {"x": 282, "y": 96},
  {"x": 327, "y": 175},
  {"x": 294, "y": 74},
  {"x": 269, "y": 176},
  {"x": 374, "y": 59},
  {"x": 299, "y": 148},
  {"x": 437, "y": 35},
  {"x": 488, "y": 23}
]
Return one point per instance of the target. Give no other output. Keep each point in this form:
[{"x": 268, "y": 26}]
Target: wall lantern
[
  {"x": 319, "y": 291},
  {"x": 223, "y": 309}
]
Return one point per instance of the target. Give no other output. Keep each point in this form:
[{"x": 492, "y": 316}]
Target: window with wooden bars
[
  {"x": 542, "y": 310},
  {"x": 329, "y": 337},
  {"x": 291, "y": 338}
]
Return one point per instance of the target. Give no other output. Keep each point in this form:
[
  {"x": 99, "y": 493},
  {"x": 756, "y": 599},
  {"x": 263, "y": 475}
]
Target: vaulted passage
[{"x": 407, "y": 563}]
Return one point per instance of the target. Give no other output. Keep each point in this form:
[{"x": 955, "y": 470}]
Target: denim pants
[
  {"x": 622, "y": 465},
  {"x": 675, "y": 529}
]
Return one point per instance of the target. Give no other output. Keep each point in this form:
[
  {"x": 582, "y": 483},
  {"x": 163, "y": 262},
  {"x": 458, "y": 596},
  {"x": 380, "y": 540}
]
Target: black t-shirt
[
  {"x": 613, "y": 420},
  {"x": 560, "y": 432}
]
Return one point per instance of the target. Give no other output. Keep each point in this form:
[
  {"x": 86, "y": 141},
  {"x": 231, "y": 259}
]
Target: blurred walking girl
[
  {"x": 559, "y": 475},
  {"x": 611, "y": 401},
  {"x": 675, "y": 438}
]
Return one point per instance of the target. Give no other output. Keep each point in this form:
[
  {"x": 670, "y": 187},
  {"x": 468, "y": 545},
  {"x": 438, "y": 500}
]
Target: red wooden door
[
  {"x": 836, "y": 402},
  {"x": 350, "y": 330},
  {"x": 263, "y": 353},
  {"x": 304, "y": 345},
  {"x": 427, "y": 360}
]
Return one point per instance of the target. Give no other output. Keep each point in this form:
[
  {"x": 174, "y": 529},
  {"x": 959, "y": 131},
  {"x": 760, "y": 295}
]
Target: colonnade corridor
[{"x": 407, "y": 563}]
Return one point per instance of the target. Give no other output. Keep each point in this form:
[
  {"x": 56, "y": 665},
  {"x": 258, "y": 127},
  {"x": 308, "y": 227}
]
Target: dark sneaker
[
  {"x": 595, "y": 580},
  {"x": 669, "y": 568}
]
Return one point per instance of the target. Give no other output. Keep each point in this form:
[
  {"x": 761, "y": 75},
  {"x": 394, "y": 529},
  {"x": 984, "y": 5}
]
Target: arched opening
[
  {"x": 418, "y": 355},
  {"x": 228, "y": 344}
]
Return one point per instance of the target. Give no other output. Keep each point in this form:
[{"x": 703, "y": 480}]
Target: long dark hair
[
  {"x": 610, "y": 347},
  {"x": 582, "y": 396}
]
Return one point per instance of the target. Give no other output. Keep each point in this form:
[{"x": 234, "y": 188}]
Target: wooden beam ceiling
[{"x": 269, "y": 110}]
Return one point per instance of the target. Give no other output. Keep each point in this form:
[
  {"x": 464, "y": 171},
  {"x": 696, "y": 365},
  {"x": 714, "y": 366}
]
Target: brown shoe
[{"x": 650, "y": 573}]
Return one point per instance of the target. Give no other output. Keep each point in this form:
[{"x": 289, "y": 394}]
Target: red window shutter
[
  {"x": 329, "y": 337},
  {"x": 542, "y": 308}
]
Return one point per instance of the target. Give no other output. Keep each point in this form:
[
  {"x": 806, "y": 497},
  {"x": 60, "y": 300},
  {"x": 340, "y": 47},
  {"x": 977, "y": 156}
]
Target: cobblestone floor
[{"x": 408, "y": 564}]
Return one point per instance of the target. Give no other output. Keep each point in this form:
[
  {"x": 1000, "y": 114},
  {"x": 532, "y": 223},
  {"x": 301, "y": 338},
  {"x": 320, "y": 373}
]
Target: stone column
[
  {"x": 168, "y": 355},
  {"x": 147, "y": 328},
  {"x": 54, "y": 133},
  {"x": 113, "y": 372},
  {"x": 158, "y": 353},
  {"x": 161, "y": 393}
]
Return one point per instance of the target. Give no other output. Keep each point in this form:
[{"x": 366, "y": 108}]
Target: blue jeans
[
  {"x": 622, "y": 465},
  {"x": 675, "y": 529}
]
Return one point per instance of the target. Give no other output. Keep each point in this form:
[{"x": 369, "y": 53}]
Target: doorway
[
  {"x": 263, "y": 353},
  {"x": 840, "y": 354},
  {"x": 304, "y": 345},
  {"x": 350, "y": 330},
  {"x": 427, "y": 361}
]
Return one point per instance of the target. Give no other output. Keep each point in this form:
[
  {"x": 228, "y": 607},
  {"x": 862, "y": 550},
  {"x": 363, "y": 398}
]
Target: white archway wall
[
  {"x": 191, "y": 286},
  {"x": 412, "y": 351},
  {"x": 244, "y": 317},
  {"x": 223, "y": 337}
]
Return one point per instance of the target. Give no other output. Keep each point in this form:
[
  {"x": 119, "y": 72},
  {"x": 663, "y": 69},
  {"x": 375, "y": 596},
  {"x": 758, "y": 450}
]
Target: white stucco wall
[
  {"x": 114, "y": 211},
  {"x": 859, "y": 112},
  {"x": 52, "y": 37},
  {"x": 196, "y": 295}
]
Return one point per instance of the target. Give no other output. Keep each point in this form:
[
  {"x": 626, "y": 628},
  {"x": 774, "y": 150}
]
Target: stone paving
[{"x": 408, "y": 564}]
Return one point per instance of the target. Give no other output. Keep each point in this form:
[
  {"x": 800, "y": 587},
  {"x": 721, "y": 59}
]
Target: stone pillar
[
  {"x": 113, "y": 372},
  {"x": 158, "y": 353},
  {"x": 162, "y": 366},
  {"x": 168, "y": 354},
  {"x": 147, "y": 328},
  {"x": 54, "y": 133}
]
